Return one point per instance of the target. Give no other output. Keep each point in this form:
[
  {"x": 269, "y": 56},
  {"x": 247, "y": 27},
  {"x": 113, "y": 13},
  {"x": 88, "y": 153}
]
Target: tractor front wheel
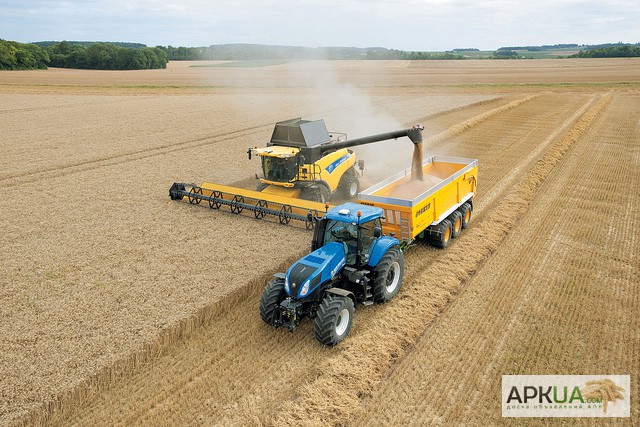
[
  {"x": 271, "y": 297},
  {"x": 334, "y": 319},
  {"x": 388, "y": 275}
]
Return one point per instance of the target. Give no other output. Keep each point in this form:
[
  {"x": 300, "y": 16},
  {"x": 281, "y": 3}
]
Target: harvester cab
[
  {"x": 351, "y": 262},
  {"x": 294, "y": 163}
]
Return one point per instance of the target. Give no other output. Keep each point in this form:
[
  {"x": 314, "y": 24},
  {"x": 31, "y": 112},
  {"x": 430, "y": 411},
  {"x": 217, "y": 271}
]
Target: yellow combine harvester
[
  {"x": 303, "y": 167},
  {"x": 303, "y": 160}
]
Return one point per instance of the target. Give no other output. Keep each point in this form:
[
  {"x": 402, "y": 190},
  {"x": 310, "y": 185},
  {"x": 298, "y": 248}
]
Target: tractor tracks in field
[
  {"x": 57, "y": 171},
  {"x": 187, "y": 377}
]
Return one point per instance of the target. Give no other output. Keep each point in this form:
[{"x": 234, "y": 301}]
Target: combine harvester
[
  {"x": 357, "y": 248},
  {"x": 303, "y": 166}
]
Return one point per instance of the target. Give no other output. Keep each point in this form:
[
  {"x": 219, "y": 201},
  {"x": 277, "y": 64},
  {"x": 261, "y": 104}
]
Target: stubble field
[{"x": 120, "y": 307}]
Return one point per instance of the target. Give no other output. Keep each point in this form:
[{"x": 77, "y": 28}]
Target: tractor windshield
[
  {"x": 280, "y": 169},
  {"x": 343, "y": 232},
  {"x": 347, "y": 234}
]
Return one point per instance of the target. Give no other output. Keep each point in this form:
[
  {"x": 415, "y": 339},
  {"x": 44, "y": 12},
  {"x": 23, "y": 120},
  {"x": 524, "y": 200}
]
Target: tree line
[
  {"x": 97, "y": 56},
  {"x": 21, "y": 56},
  {"x": 624, "y": 51},
  {"x": 239, "y": 52},
  {"x": 136, "y": 56},
  {"x": 106, "y": 56}
]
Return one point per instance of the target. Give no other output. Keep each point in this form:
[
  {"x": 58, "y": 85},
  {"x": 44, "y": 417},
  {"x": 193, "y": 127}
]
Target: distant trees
[
  {"x": 106, "y": 56},
  {"x": 623, "y": 51},
  {"x": 20, "y": 56},
  {"x": 98, "y": 56},
  {"x": 505, "y": 54}
]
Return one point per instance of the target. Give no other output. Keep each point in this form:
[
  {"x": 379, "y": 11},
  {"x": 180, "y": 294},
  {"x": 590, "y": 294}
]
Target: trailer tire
[
  {"x": 465, "y": 210},
  {"x": 349, "y": 185},
  {"x": 388, "y": 275},
  {"x": 334, "y": 319},
  {"x": 271, "y": 297},
  {"x": 456, "y": 223},
  {"x": 441, "y": 234}
]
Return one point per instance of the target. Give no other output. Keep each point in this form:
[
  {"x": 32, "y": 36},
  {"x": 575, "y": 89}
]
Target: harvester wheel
[
  {"x": 349, "y": 184},
  {"x": 465, "y": 210},
  {"x": 388, "y": 275},
  {"x": 334, "y": 319},
  {"x": 271, "y": 297},
  {"x": 456, "y": 223},
  {"x": 441, "y": 234},
  {"x": 317, "y": 193}
]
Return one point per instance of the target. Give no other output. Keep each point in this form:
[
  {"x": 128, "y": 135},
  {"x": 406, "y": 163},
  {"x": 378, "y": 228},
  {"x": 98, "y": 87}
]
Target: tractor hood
[{"x": 309, "y": 272}]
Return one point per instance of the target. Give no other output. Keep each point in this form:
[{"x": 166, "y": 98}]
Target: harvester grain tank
[{"x": 357, "y": 248}]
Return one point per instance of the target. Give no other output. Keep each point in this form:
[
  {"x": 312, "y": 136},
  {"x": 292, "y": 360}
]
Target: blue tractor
[{"x": 350, "y": 262}]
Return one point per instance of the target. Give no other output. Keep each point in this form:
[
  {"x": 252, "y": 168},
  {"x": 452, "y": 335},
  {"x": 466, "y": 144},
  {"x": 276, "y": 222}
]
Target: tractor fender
[
  {"x": 342, "y": 293},
  {"x": 380, "y": 247}
]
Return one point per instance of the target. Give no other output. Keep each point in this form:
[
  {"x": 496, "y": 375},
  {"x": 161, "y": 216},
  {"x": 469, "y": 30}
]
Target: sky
[{"x": 414, "y": 25}]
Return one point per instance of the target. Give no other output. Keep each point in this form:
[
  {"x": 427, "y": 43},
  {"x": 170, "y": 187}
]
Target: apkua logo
[{"x": 565, "y": 396}]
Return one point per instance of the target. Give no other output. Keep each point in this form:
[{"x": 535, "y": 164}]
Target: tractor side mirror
[{"x": 377, "y": 232}]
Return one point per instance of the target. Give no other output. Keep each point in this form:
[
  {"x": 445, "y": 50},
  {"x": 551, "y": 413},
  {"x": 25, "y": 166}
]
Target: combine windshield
[{"x": 280, "y": 169}]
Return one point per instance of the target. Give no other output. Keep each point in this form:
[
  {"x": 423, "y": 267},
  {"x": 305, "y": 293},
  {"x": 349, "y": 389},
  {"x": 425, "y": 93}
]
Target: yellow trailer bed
[{"x": 412, "y": 206}]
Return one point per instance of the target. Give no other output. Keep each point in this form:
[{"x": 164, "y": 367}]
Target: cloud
[{"x": 400, "y": 24}]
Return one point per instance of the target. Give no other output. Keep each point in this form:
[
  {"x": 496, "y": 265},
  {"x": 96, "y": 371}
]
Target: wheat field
[{"x": 121, "y": 307}]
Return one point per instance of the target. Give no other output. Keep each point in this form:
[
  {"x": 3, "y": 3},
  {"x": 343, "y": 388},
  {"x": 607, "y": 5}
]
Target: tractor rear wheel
[
  {"x": 349, "y": 185},
  {"x": 388, "y": 275},
  {"x": 271, "y": 297},
  {"x": 334, "y": 319}
]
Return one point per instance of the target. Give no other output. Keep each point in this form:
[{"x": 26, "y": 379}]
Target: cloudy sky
[{"x": 426, "y": 25}]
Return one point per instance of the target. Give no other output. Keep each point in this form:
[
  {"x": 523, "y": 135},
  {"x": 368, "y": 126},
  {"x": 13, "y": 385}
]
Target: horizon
[{"x": 412, "y": 25}]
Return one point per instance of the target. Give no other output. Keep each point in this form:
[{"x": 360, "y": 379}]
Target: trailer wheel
[
  {"x": 441, "y": 234},
  {"x": 456, "y": 223},
  {"x": 465, "y": 210},
  {"x": 349, "y": 185},
  {"x": 271, "y": 298},
  {"x": 388, "y": 275},
  {"x": 334, "y": 319}
]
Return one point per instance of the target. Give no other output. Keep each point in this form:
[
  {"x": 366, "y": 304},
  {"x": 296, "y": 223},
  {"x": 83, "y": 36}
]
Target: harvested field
[{"x": 120, "y": 307}]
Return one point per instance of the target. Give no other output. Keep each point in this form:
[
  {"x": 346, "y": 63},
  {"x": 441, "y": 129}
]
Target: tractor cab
[{"x": 354, "y": 226}]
